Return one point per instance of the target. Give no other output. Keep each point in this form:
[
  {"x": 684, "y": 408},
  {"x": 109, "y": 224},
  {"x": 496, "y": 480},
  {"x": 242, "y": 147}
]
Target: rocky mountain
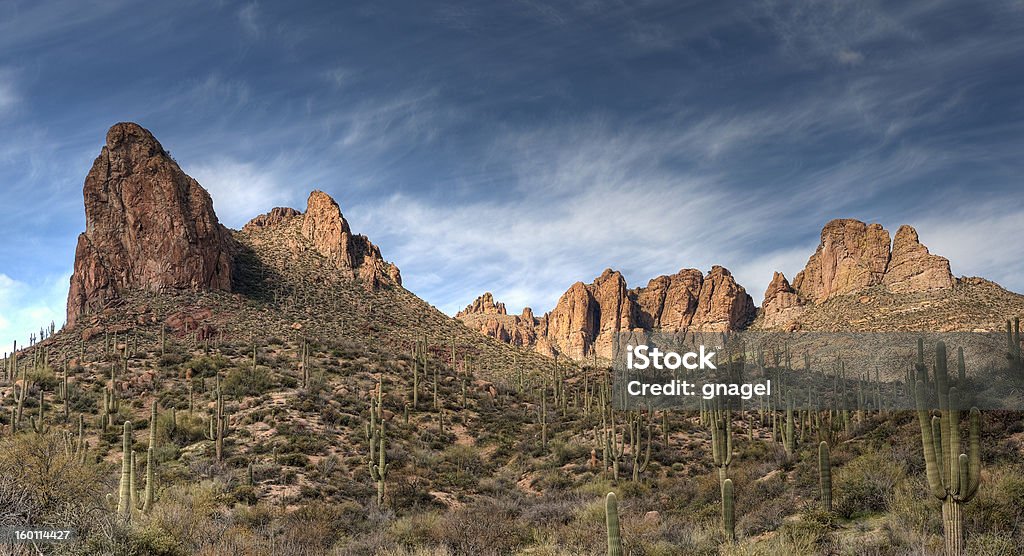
[
  {"x": 859, "y": 278},
  {"x": 587, "y": 317},
  {"x": 149, "y": 226},
  {"x": 154, "y": 259}
]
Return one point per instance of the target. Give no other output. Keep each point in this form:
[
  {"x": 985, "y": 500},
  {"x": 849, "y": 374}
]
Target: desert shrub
[
  {"x": 991, "y": 544},
  {"x": 487, "y": 527},
  {"x": 247, "y": 382},
  {"x": 205, "y": 366},
  {"x": 999, "y": 504},
  {"x": 417, "y": 530},
  {"x": 169, "y": 360},
  {"x": 45, "y": 484},
  {"x": 865, "y": 484}
]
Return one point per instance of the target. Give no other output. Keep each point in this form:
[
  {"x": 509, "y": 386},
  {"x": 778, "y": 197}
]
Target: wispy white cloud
[
  {"x": 849, "y": 57},
  {"x": 9, "y": 96},
  {"x": 581, "y": 201},
  {"x": 250, "y": 19},
  {"x": 979, "y": 239},
  {"x": 25, "y": 308},
  {"x": 241, "y": 190}
]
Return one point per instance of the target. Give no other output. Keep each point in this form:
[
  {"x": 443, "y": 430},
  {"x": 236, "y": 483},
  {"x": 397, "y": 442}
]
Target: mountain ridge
[{"x": 895, "y": 284}]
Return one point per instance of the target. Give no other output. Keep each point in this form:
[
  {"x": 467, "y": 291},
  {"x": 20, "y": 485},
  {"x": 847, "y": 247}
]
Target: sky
[{"x": 518, "y": 147}]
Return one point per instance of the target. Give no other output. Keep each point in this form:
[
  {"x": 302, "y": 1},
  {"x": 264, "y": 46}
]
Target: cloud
[
  {"x": 27, "y": 307},
  {"x": 849, "y": 57},
  {"x": 977, "y": 240},
  {"x": 241, "y": 190},
  {"x": 583, "y": 199},
  {"x": 9, "y": 97},
  {"x": 249, "y": 19}
]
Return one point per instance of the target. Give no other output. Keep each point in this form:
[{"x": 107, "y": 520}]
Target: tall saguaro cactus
[
  {"x": 728, "y": 510},
  {"x": 1013, "y": 350},
  {"x": 825, "y": 476},
  {"x": 124, "y": 500},
  {"x": 379, "y": 468},
  {"x": 953, "y": 477},
  {"x": 611, "y": 510},
  {"x": 721, "y": 439}
]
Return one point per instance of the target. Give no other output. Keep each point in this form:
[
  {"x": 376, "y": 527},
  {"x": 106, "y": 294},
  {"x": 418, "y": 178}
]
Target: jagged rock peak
[
  {"x": 149, "y": 226},
  {"x": 853, "y": 256},
  {"x": 483, "y": 305},
  {"x": 328, "y": 231},
  {"x": 276, "y": 217},
  {"x": 587, "y": 317},
  {"x": 781, "y": 303},
  {"x": 912, "y": 268}
]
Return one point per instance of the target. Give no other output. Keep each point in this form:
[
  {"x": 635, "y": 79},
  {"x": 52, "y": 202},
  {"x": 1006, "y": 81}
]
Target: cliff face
[
  {"x": 852, "y": 258},
  {"x": 852, "y": 255},
  {"x": 587, "y": 317},
  {"x": 149, "y": 226},
  {"x": 324, "y": 226},
  {"x": 912, "y": 268}
]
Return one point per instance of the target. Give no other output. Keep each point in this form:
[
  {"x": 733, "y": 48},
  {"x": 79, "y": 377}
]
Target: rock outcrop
[
  {"x": 328, "y": 231},
  {"x": 149, "y": 226},
  {"x": 781, "y": 305},
  {"x": 588, "y": 317},
  {"x": 490, "y": 318},
  {"x": 852, "y": 256},
  {"x": 276, "y": 217},
  {"x": 912, "y": 268},
  {"x": 483, "y": 305}
]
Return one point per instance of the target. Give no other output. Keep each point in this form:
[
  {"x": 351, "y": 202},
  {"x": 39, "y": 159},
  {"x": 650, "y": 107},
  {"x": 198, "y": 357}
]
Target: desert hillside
[{"x": 276, "y": 390}]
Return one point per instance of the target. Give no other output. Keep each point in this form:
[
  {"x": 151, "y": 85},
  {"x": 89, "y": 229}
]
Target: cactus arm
[
  {"x": 955, "y": 484},
  {"x": 974, "y": 457},
  {"x": 928, "y": 445}
]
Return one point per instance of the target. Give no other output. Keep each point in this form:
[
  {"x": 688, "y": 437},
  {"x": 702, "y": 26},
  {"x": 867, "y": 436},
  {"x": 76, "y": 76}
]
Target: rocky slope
[
  {"x": 587, "y": 317},
  {"x": 154, "y": 254}
]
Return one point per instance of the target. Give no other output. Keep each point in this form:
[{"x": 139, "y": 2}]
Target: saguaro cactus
[
  {"x": 1013, "y": 350},
  {"x": 788, "y": 433},
  {"x": 728, "y": 511},
  {"x": 150, "y": 493},
  {"x": 379, "y": 469},
  {"x": 953, "y": 477},
  {"x": 124, "y": 500},
  {"x": 825, "y": 476},
  {"x": 721, "y": 440},
  {"x": 611, "y": 510}
]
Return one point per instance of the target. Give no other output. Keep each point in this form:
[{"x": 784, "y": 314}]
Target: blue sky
[{"x": 520, "y": 146}]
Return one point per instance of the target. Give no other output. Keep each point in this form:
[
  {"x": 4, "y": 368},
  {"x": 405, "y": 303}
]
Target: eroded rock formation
[
  {"x": 912, "y": 268},
  {"x": 781, "y": 305},
  {"x": 149, "y": 226},
  {"x": 587, "y": 317},
  {"x": 852, "y": 256},
  {"x": 276, "y": 217},
  {"x": 483, "y": 305},
  {"x": 328, "y": 231}
]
